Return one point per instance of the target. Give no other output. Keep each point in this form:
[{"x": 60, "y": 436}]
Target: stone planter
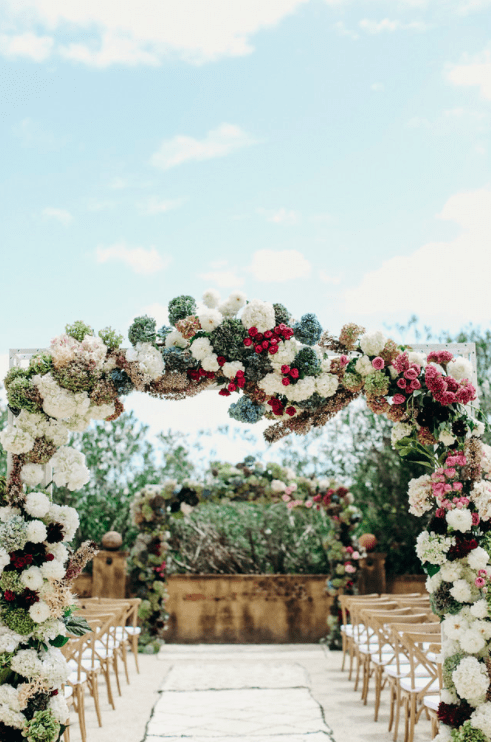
[{"x": 252, "y": 609}]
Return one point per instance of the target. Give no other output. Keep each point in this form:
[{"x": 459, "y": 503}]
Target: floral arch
[{"x": 296, "y": 376}]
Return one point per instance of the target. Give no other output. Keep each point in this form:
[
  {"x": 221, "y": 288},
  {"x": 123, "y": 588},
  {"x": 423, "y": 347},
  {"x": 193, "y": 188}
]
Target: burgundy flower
[
  {"x": 454, "y": 714},
  {"x": 461, "y": 548},
  {"x": 9, "y": 596},
  {"x": 55, "y": 533},
  {"x": 20, "y": 560},
  {"x": 28, "y": 598}
]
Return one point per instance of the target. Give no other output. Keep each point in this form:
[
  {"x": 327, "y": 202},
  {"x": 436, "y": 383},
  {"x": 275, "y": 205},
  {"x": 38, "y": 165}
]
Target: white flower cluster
[
  {"x": 373, "y": 343},
  {"x": 420, "y": 495},
  {"x": 364, "y": 366},
  {"x": 460, "y": 368},
  {"x": 459, "y": 519},
  {"x": 148, "y": 358},
  {"x": 258, "y": 314},
  {"x": 399, "y": 431},
  {"x": 64, "y": 350},
  {"x": 15, "y": 440},
  {"x": 59, "y": 402},
  {"x": 10, "y": 707},
  {"x": 433, "y": 548},
  {"x": 481, "y": 497},
  {"x": 471, "y": 680},
  {"x": 326, "y": 384},
  {"x": 39, "y": 425},
  {"x": 66, "y": 516},
  {"x": 481, "y": 718},
  {"x": 69, "y": 468}
]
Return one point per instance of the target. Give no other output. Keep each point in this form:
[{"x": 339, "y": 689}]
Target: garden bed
[{"x": 253, "y": 609}]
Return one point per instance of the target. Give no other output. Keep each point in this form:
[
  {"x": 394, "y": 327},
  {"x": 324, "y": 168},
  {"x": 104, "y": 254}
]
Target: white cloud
[
  {"x": 448, "y": 280},
  {"x": 32, "y": 134},
  {"x": 219, "y": 142},
  {"x": 474, "y": 72},
  {"x": 155, "y": 205},
  {"x": 326, "y": 277},
  {"x": 388, "y": 26},
  {"x": 281, "y": 216},
  {"x": 377, "y": 87},
  {"x": 60, "y": 215},
  {"x": 454, "y": 119},
  {"x": 227, "y": 279},
  {"x": 279, "y": 265},
  {"x": 104, "y": 32},
  {"x": 26, "y": 45},
  {"x": 159, "y": 312},
  {"x": 139, "y": 259},
  {"x": 341, "y": 30}
]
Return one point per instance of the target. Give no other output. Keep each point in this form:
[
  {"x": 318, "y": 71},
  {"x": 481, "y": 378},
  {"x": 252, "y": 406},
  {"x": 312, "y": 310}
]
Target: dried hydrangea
[
  {"x": 78, "y": 330},
  {"x": 181, "y": 307},
  {"x": 142, "y": 330}
]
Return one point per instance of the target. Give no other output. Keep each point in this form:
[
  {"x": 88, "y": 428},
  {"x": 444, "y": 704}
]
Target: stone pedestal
[
  {"x": 109, "y": 574},
  {"x": 372, "y": 576}
]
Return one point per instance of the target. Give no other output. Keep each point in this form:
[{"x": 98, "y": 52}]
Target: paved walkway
[{"x": 244, "y": 693}]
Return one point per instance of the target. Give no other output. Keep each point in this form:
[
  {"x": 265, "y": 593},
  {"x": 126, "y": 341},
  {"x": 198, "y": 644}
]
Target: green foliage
[
  {"x": 78, "y": 330},
  {"x": 181, "y": 307},
  {"x": 110, "y": 338},
  {"x": 41, "y": 363},
  {"x": 307, "y": 362},
  {"x": 250, "y": 538},
  {"x": 21, "y": 395},
  {"x": 281, "y": 314},
  {"x": 76, "y": 625},
  {"x": 77, "y": 377},
  {"x": 142, "y": 330},
  {"x": 228, "y": 338}
]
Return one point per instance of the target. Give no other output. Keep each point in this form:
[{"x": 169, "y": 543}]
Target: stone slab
[{"x": 234, "y": 675}]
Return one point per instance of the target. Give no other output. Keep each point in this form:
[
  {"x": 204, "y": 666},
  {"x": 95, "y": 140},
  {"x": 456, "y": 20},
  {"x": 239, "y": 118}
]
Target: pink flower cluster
[
  {"x": 446, "y": 390},
  {"x": 409, "y": 381},
  {"x": 444, "y": 481},
  {"x": 440, "y": 356}
]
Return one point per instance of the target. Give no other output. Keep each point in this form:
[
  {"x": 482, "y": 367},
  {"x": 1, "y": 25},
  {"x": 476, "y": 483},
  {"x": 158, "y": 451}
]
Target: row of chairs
[
  {"x": 396, "y": 641},
  {"x": 100, "y": 652}
]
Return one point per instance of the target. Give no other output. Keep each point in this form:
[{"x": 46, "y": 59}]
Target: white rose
[
  {"x": 478, "y": 558},
  {"x": 459, "y": 520},
  {"x": 210, "y": 319},
  {"x": 479, "y": 609},
  {"x": 175, "y": 340},
  {"x": 201, "y": 348},
  {"x": 32, "y": 578},
  {"x": 211, "y": 298},
  {"x": 36, "y": 531},
  {"x": 39, "y": 612},
  {"x": 210, "y": 363}
]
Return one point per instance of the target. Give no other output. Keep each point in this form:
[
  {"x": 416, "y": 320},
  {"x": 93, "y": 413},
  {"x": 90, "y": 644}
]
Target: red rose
[
  {"x": 294, "y": 373},
  {"x": 210, "y": 374},
  {"x": 282, "y": 326},
  {"x": 401, "y": 383},
  {"x": 268, "y": 334},
  {"x": 231, "y": 387},
  {"x": 398, "y": 399},
  {"x": 240, "y": 373},
  {"x": 252, "y": 331},
  {"x": 265, "y": 344},
  {"x": 247, "y": 342},
  {"x": 259, "y": 337},
  {"x": 221, "y": 360},
  {"x": 273, "y": 349},
  {"x": 224, "y": 393},
  {"x": 258, "y": 348},
  {"x": 273, "y": 341},
  {"x": 277, "y": 331},
  {"x": 285, "y": 369},
  {"x": 9, "y": 595},
  {"x": 285, "y": 381},
  {"x": 241, "y": 382},
  {"x": 290, "y": 411}
]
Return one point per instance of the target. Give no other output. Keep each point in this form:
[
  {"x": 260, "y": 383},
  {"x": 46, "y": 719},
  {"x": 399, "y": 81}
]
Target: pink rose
[
  {"x": 343, "y": 360},
  {"x": 308, "y": 503},
  {"x": 401, "y": 383},
  {"x": 450, "y": 473},
  {"x": 457, "y": 486},
  {"x": 479, "y": 582},
  {"x": 378, "y": 363},
  {"x": 349, "y": 568},
  {"x": 415, "y": 384},
  {"x": 289, "y": 505},
  {"x": 285, "y": 498},
  {"x": 411, "y": 374},
  {"x": 349, "y": 549},
  {"x": 440, "y": 513},
  {"x": 475, "y": 519},
  {"x": 398, "y": 399}
]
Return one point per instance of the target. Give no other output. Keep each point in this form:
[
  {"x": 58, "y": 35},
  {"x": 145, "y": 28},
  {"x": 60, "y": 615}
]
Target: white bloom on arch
[
  {"x": 373, "y": 343},
  {"x": 16, "y": 440},
  {"x": 258, "y": 314},
  {"x": 210, "y": 319},
  {"x": 69, "y": 468},
  {"x": 459, "y": 520},
  {"x": 460, "y": 368},
  {"x": 364, "y": 366},
  {"x": 201, "y": 348},
  {"x": 32, "y": 474},
  {"x": 326, "y": 384},
  {"x": 149, "y": 360},
  {"x": 211, "y": 298}
]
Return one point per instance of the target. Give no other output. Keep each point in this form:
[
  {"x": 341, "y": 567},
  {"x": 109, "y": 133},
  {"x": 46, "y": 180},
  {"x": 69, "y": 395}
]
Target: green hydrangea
[
  {"x": 19, "y": 620},
  {"x": 441, "y": 601},
  {"x": 353, "y": 382},
  {"x": 78, "y": 330},
  {"x": 13, "y": 534},
  {"x": 110, "y": 338},
  {"x": 377, "y": 383},
  {"x": 281, "y": 314},
  {"x": 257, "y": 365},
  {"x": 43, "y": 727},
  {"x": 449, "y": 665},
  {"x": 41, "y": 363},
  {"x": 11, "y": 581},
  {"x": 142, "y": 330},
  {"x": 6, "y": 659},
  {"x": 312, "y": 403},
  {"x": 15, "y": 373},
  {"x": 181, "y": 307},
  {"x": 228, "y": 339},
  {"x": 468, "y": 733},
  {"x": 307, "y": 362},
  {"x": 76, "y": 377},
  {"x": 176, "y": 359},
  {"x": 21, "y": 394}
]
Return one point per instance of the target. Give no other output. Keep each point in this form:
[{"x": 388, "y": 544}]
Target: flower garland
[{"x": 281, "y": 370}]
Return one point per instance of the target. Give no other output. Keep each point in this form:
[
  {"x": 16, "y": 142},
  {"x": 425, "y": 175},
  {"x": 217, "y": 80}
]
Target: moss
[{"x": 19, "y": 620}]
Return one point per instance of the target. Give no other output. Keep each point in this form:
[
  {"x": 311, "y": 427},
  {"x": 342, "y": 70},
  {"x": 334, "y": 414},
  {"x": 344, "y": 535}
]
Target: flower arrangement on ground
[{"x": 289, "y": 372}]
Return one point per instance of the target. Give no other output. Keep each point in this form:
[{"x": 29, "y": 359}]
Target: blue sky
[{"x": 333, "y": 156}]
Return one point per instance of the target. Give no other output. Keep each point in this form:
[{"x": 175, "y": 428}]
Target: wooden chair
[
  {"x": 106, "y": 644},
  {"x": 77, "y": 682},
  {"x": 361, "y": 638},
  {"x": 346, "y": 627}
]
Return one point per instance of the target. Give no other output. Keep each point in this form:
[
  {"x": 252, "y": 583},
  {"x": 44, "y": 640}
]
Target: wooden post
[
  {"x": 109, "y": 574},
  {"x": 372, "y": 576}
]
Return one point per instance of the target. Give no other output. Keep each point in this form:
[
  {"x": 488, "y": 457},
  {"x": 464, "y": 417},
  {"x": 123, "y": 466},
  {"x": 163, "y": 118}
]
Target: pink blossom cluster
[
  {"x": 440, "y": 356},
  {"x": 446, "y": 390},
  {"x": 409, "y": 381},
  {"x": 350, "y": 568},
  {"x": 445, "y": 481}
]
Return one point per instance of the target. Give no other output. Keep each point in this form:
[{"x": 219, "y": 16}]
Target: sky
[{"x": 332, "y": 155}]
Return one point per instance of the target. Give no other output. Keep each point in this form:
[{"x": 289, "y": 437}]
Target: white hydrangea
[
  {"x": 57, "y": 432},
  {"x": 444, "y": 735},
  {"x": 7, "y": 512},
  {"x": 201, "y": 348},
  {"x": 471, "y": 680},
  {"x": 55, "y": 668},
  {"x": 210, "y": 319},
  {"x": 50, "y": 629},
  {"x": 451, "y": 571},
  {"x": 10, "y": 707},
  {"x": 32, "y": 474},
  {"x": 175, "y": 340},
  {"x": 479, "y": 609},
  {"x": 59, "y": 551},
  {"x": 303, "y": 389},
  {"x": 148, "y": 358},
  {"x": 460, "y": 368},
  {"x": 287, "y": 350},
  {"x": 433, "y": 548},
  {"x": 210, "y": 363},
  {"x": 461, "y": 591},
  {"x": 230, "y": 369},
  {"x": 59, "y": 709},
  {"x": 364, "y": 366},
  {"x": 478, "y": 558},
  {"x": 446, "y": 437},
  {"x": 271, "y": 384},
  {"x": 455, "y": 626},
  {"x": 53, "y": 570},
  {"x": 326, "y": 364},
  {"x": 36, "y": 531},
  {"x": 258, "y": 314},
  {"x": 37, "y": 504},
  {"x": 459, "y": 520},
  {"x": 67, "y": 516},
  {"x": 373, "y": 343},
  {"x": 433, "y": 583},
  {"x": 211, "y": 298},
  {"x": 58, "y": 402},
  {"x": 39, "y": 612},
  {"x": 448, "y": 696},
  {"x": 69, "y": 468},
  {"x": 414, "y": 356},
  {"x": 4, "y": 559},
  {"x": 481, "y": 718},
  {"x": 9, "y": 640},
  {"x": 63, "y": 350},
  {"x": 78, "y": 423},
  {"x": 420, "y": 495},
  {"x": 33, "y": 423},
  {"x": 32, "y": 577},
  {"x": 27, "y": 663},
  {"x": 326, "y": 384},
  {"x": 233, "y": 304},
  {"x": 399, "y": 431},
  {"x": 278, "y": 486},
  {"x": 101, "y": 411},
  {"x": 92, "y": 350},
  {"x": 16, "y": 440}
]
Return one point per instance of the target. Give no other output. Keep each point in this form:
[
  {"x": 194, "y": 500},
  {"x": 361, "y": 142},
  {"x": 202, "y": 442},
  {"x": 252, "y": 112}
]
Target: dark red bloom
[
  {"x": 9, "y": 596},
  {"x": 294, "y": 373},
  {"x": 285, "y": 381},
  {"x": 461, "y": 548},
  {"x": 20, "y": 560},
  {"x": 28, "y": 598},
  {"x": 273, "y": 349},
  {"x": 454, "y": 714},
  {"x": 265, "y": 344},
  {"x": 240, "y": 382},
  {"x": 55, "y": 533},
  {"x": 247, "y": 341},
  {"x": 252, "y": 331},
  {"x": 258, "y": 348},
  {"x": 221, "y": 360},
  {"x": 268, "y": 334},
  {"x": 49, "y": 557},
  {"x": 290, "y": 410}
]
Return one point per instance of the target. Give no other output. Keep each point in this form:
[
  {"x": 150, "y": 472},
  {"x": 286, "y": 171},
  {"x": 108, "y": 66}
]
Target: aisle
[{"x": 238, "y": 692}]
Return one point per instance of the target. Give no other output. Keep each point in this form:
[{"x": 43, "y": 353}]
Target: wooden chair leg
[
  {"x": 124, "y": 656},
  {"x": 107, "y": 678},
  {"x": 94, "y": 689},
  {"x": 115, "y": 666},
  {"x": 398, "y": 712}
]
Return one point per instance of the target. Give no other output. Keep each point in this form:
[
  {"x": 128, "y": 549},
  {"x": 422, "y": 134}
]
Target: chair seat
[
  {"x": 420, "y": 684},
  {"x": 68, "y": 691},
  {"x": 129, "y": 630},
  {"x": 73, "y": 678},
  {"x": 432, "y": 702}
]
